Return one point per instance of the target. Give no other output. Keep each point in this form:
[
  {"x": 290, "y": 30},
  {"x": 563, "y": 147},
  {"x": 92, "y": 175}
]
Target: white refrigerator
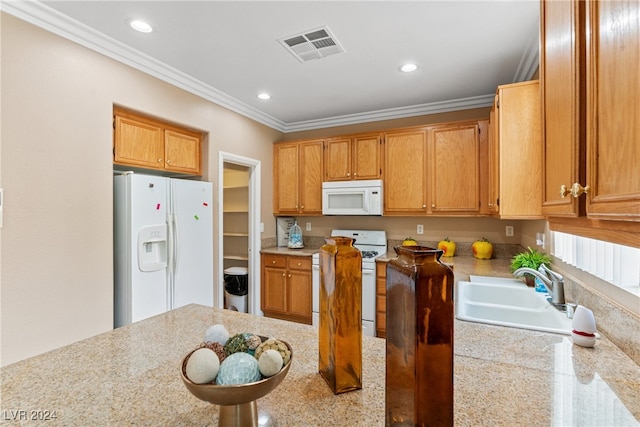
[{"x": 163, "y": 245}]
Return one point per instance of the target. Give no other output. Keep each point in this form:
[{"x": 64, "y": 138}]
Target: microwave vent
[{"x": 312, "y": 44}]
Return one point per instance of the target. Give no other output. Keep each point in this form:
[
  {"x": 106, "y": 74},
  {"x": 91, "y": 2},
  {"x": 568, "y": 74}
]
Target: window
[{"x": 616, "y": 264}]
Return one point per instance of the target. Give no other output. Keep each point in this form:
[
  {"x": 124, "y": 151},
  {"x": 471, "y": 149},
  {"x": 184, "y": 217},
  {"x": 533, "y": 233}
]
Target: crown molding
[
  {"x": 395, "y": 113},
  {"x": 40, "y": 15}
]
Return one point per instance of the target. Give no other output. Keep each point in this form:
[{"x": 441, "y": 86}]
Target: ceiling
[{"x": 228, "y": 52}]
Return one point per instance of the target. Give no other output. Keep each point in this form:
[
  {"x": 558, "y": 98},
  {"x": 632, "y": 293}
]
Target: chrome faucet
[{"x": 551, "y": 280}]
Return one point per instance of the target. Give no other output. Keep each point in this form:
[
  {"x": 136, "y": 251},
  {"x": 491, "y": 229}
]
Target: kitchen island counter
[{"x": 503, "y": 376}]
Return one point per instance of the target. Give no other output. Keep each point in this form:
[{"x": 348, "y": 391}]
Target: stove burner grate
[{"x": 369, "y": 254}]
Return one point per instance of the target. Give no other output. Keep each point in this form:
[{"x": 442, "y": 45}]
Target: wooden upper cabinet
[
  {"x": 338, "y": 159},
  {"x": 493, "y": 161},
  {"x": 455, "y": 168},
  {"x": 355, "y": 157},
  {"x": 298, "y": 171},
  {"x": 563, "y": 100},
  {"x": 182, "y": 151},
  {"x": 613, "y": 110},
  {"x": 367, "y": 157},
  {"x": 286, "y": 186},
  {"x": 144, "y": 142},
  {"x": 138, "y": 143},
  {"x": 517, "y": 141},
  {"x": 311, "y": 169},
  {"x": 405, "y": 172}
]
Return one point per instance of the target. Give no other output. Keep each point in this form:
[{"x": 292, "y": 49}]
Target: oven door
[{"x": 369, "y": 302}]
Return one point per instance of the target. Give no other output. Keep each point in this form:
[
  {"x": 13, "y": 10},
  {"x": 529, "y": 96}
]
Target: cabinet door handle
[
  {"x": 577, "y": 190},
  {"x": 168, "y": 161},
  {"x": 564, "y": 191},
  {"x": 284, "y": 275},
  {"x": 299, "y": 264},
  {"x": 159, "y": 160},
  {"x": 433, "y": 205},
  {"x": 289, "y": 275}
]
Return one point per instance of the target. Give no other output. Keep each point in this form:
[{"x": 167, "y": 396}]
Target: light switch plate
[{"x": 420, "y": 229}]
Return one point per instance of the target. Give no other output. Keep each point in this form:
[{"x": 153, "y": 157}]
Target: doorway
[{"x": 239, "y": 223}]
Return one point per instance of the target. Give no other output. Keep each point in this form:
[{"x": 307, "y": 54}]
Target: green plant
[{"x": 530, "y": 258}]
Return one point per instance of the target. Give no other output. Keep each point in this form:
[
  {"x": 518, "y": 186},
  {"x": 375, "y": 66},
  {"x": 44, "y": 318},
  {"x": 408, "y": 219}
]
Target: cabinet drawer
[
  {"x": 278, "y": 261},
  {"x": 299, "y": 263}
]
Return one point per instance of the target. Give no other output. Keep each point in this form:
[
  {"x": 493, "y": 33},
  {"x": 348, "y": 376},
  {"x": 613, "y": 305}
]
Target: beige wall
[
  {"x": 435, "y": 228},
  {"x": 56, "y": 171}
]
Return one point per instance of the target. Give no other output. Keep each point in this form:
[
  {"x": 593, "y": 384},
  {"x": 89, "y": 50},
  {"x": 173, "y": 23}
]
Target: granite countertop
[
  {"x": 462, "y": 265},
  {"x": 502, "y": 376}
]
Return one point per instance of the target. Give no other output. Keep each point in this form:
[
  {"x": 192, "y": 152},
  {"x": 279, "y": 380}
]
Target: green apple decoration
[
  {"x": 482, "y": 249},
  {"x": 447, "y": 247}
]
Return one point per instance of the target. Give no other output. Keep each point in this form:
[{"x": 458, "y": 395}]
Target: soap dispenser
[{"x": 295, "y": 236}]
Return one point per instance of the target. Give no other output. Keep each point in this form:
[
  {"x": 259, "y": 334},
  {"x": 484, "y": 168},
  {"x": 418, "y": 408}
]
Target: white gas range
[{"x": 372, "y": 244}]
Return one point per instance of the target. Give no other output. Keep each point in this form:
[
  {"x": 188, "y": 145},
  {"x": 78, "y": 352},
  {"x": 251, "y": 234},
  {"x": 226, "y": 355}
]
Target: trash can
[{"x": 236, "y": 288}]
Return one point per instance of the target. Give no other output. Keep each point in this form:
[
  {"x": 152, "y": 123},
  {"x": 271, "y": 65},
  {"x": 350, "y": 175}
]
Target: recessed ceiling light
[
  {"x": 264, "y": 95},
  {"x": 141, "y": 26},
  {"x": 407, "y": 68}
]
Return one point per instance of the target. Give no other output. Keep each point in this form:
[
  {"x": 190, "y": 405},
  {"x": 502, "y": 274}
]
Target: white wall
[{"x": 56, "y": 171}]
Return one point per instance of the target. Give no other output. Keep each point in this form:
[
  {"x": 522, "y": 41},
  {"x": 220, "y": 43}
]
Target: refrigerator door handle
[
  {"x": 176, "y": 243},
  {"x": 171, "y": 260},
  {"x": 171, "y": 244}
]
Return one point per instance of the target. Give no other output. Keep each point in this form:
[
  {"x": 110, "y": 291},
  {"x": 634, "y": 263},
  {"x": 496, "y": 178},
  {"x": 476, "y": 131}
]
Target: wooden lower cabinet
[
  {"x": 381, "y": 299},
  {"x": 286, "y": 287}
]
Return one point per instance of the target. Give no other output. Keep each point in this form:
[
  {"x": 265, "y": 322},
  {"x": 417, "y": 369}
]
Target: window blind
[{"x": 617, "y": 264}]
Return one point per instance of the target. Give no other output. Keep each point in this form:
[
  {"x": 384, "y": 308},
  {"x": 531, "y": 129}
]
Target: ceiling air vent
[{"x": 313, "y": 44}]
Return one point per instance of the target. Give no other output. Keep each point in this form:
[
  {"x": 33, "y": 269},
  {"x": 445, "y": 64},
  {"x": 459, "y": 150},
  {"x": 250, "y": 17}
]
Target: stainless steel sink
[{"x": 508, "y": 302}]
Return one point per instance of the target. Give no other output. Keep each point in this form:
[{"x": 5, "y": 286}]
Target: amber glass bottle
[
  {"x": 340, "y": 325},
  {"x": 419, "y": 377}
]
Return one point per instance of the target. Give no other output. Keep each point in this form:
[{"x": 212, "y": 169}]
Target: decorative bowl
[{"x": 237, "y": 402}]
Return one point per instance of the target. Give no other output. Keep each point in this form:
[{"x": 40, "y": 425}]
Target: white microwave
[{"x": 352, "y": 197}]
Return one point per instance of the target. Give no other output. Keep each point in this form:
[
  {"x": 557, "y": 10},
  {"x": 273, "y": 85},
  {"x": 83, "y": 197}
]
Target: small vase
[
  {"x": 419, "y": 357},
  {"x": 340, "y": 323}
]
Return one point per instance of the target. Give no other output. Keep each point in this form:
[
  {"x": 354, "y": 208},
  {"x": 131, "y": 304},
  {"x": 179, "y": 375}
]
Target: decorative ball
[
  {"x": 253, "y": 341},
  {"x": 217, "y": 333},
  {"x": 217, "y": 348},
  {"x": 274, "y": 344},
  {"x": 236, "y": 344},
  {"x": 238, "y": 368},
  {"x": 270, "y": 362},
  {"x": 202, "y": 366}
]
